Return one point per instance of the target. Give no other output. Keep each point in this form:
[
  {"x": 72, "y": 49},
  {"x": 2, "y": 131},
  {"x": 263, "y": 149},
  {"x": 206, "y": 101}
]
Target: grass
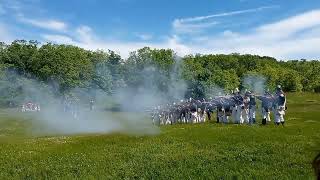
[{"x": 202, "y": 151}]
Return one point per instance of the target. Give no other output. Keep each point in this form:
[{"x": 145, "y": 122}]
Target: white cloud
[
  {"x": 294, "y": 37},
  {"x": 49, "y": 24},
  {"x": 85, "y": 38},
  {"x": 60, "y": 39},
  {"x": 5, "y": 35},
  {"x": 292, "y": 25},
  {"x": 144, "y": 37},
  {"x": 232, "y": 13},
  {"x": 199, "y": 23},
  {"x": 85, "y": 34},
  {"x": 177, "y": 46}
]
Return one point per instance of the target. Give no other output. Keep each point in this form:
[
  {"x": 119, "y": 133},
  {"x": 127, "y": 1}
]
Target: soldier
[
  {"x": 161, "y": 115},
  {"x": 91, "y": 105},
  {"x": 33, "y": 107},
  {"x": 202, "y": 108},
  {"x": 182, "y": 114},
  {"x": 252, "y": 109},
  {"x": 282, "y": 107},
  {"x": 23, "y": 108},
  {"x": 279, "y": 106},
  {"x": 210, "y": 110},
  {"x": 175, "y": 113},
  {"x": 220, "y": 114},
  {"x": 167, "y": 115},
  {"x": 29, "y": 106},
  {"x": 227, "y": 113},
  {"x": 279, "y": 90},
  {"x": 75, "y": 108},
  {"x": 193, "y": 111},
  {"x": 240, "y": 109},
  {"x": 38, "y": 107},
  {"x": 245, "y": 110},
  {"x": 233, "y": 108},
  {"x": 266, "y": 105},
  {"x": 157, "y": 115},
  {"x": 234, "y": 113},
  {"x": 239, "y": 106},
  {"x": 66, "y": 105}
]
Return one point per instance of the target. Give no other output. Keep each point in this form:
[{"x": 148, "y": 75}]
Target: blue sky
[{"x": 285, "y": 29}]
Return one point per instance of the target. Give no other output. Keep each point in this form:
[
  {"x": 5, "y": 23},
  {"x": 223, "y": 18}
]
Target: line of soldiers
[
  {"x": 72, "y": 106},
  {"x": 241, "y": 107},
  {"x": 275, "y": 103},
  {"x": 29, "y": 106}
]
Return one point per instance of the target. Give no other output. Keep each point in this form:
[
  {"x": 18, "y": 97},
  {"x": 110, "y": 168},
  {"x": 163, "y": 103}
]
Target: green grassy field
[{"x": 202, "y": 151}]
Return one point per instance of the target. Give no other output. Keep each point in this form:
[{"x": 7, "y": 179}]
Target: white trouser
[
  {"x": 161, "y": 119},
  {"x": 234, "y": 114},
  {"x": 266, "y": 114},
  {"x": 164, "y": 119},
  {"x": 276, "y": 115},
  {"x": 225, "y": 119},
  {"x": 168, "y": 120},
  {"x": 203, "y": 117},
  {"x": 186, "y": 117},
  {"x": 239, "y": 117},
  {"x": 252, "y": 113},
  {"x": 189, "y": 117},
  {"x": 281, "y": 117},
  {"x": 245, "y": 115},
  {"x": 183, "y": 118},
  {"x": 279, "y": 114},
  {"x": 198, "y": 117},
  {"x": 194, "y": 117}
]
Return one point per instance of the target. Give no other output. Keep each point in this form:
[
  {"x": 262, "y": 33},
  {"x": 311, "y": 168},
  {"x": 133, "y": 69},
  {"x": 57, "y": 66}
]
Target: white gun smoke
[
  {"x": 255, "y": 83},
  {"x": 52, "y": 119}
]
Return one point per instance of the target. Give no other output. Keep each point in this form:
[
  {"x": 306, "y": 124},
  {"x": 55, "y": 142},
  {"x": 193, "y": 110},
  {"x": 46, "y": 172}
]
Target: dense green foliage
[
  {"x": 194, "y": 151},
  {"x": 66, "y": 67}
]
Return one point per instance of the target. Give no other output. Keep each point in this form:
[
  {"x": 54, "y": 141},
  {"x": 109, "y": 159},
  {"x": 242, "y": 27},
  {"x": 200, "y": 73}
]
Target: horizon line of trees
[{"x": 65, "y": 67}]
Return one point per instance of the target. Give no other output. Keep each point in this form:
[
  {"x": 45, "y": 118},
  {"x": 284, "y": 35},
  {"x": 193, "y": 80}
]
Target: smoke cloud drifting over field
[
  {"x": 255, "y": 83},
  {"x": 157, "y": 87},
  {"x": 69, "y": 113},
  {"x": 55, "y": 118}
]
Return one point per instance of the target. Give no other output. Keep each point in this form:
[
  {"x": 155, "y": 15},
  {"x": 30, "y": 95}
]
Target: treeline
[{"x": 65, "y": 67}]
